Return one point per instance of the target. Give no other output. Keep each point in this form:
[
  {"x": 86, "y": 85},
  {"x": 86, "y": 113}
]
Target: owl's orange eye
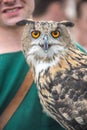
[
  {"x": 35, "y": 34},
  {"x": 55, "y": 34}
]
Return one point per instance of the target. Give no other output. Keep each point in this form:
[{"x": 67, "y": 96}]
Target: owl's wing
[
  {"x": 71, "y": 101},
  {"x": 66, "y": 97},
  {"x": 63, "y": 93}
]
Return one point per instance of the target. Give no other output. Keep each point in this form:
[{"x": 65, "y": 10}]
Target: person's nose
[{"x": 8, "y": 1}]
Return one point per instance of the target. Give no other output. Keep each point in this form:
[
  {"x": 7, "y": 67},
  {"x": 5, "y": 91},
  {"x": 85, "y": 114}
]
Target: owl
[{"x": 59, "y": 70}]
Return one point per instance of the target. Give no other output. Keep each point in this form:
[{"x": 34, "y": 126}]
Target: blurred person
[
  {"x": 13, "y": 71},
  {"x": 70, "y": 9},
  {"x": 50, "y": 10},
  {"x": 80, "y": 30}
]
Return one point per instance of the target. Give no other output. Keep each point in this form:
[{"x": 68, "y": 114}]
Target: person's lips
[{"x": 11, "y": 9}]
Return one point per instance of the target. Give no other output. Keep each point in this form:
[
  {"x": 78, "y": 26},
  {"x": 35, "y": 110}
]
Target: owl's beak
[{"x": 46, "y": 43}]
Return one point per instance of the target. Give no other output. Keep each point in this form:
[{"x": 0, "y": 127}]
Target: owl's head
[{"x": 45, "y": 39}]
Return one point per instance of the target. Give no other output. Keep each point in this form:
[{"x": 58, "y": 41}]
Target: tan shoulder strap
[{"x": 14, "y": 104}]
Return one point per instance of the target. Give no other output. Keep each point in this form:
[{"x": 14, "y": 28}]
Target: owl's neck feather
[{"x": 40, "y": 65}]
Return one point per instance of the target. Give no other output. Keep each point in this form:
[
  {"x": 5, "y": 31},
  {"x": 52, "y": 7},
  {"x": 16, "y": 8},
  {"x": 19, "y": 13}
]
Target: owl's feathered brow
[{"x": 60, "y": 72}]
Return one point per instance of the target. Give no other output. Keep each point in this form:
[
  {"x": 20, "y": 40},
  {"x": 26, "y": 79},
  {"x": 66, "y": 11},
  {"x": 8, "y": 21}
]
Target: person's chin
[{"x": 12, "y": 22}]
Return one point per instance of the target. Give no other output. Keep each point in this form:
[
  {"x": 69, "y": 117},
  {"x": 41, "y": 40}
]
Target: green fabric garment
[
  {"x": 29, "y": 115},
  {"x": 80, "y": 47}
]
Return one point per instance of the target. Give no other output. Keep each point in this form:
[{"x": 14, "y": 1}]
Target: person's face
[
  {"x": 82, "y": 20},
  {"x": 12, "y": 11}
]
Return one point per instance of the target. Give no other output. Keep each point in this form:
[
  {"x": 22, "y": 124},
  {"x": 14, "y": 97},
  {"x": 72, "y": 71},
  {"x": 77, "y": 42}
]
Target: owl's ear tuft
[
  {"x": 24, "y": 22},
  {"x": 67, "y": 23}
]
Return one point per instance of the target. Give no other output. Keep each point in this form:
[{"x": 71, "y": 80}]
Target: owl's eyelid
[
  {"x": 58, "y": 29},
  {"x": 34, "y": 30}
]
